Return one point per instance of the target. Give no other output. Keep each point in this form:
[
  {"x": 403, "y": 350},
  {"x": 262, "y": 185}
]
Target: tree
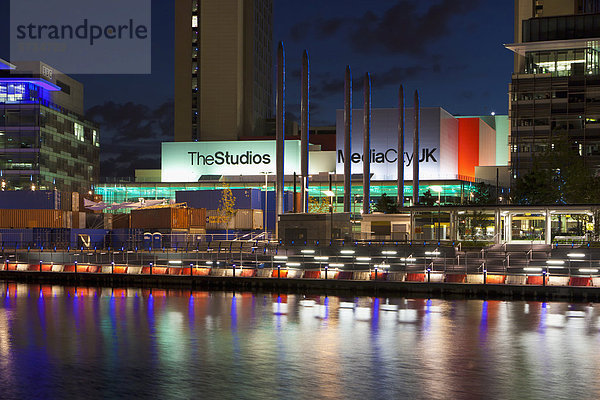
[
  {"x": 559, "y": 176},
  {"x": 227, "y": 208},
  {"x": 482, "y": 195},
  {"x": 318, "y": 205},
  {"x": 427, "y": 198},
  {"x": 386, "y": 205},
  {"x": 536, "y": 187}
]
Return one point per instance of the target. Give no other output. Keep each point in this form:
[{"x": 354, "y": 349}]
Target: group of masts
[{"x": 304, "y": 139}]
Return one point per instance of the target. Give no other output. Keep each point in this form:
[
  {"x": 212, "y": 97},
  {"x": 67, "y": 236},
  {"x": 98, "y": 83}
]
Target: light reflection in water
[{"x": 142, "y": 343}]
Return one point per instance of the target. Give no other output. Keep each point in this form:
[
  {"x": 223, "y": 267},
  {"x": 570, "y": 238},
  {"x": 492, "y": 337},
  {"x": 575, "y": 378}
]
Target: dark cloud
[
  {"x": 393, "y": 76},
  {"x": 130, "y": 135},
  {"x": 404, "y": 28}
]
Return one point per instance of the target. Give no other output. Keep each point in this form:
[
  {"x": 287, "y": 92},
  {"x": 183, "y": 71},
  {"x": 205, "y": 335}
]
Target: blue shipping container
[
  {"x": 288, "y": 206},
  {"x": 30, "y": 200},
  {"x": 13, "y": 238},
  {"x": 97, "y": 238}
]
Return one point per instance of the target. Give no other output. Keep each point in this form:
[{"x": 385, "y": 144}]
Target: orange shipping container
[
  {"x": 23, "y": 219},
  {"x": 198, "y": 218},
  {"x": 161, "y": 218}
]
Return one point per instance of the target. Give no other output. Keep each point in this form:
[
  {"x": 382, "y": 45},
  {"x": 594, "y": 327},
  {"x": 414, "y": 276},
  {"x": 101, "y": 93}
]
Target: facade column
[
  {"x": 548, "y": 228},
  {"x": 497, "y": 224}
]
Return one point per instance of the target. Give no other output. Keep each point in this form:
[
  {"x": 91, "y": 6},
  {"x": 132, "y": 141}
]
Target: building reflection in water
[{"x": 142, "y": 342}]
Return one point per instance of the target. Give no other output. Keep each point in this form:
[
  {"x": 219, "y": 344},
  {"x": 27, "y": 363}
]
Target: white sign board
[
  {"x": 438, "y": 154},
  {"x": 188, "y": 161}
]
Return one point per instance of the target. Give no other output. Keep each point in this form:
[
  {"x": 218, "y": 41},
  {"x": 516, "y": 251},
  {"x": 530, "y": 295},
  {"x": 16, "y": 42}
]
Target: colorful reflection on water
[{"x": 83, "y": 342}]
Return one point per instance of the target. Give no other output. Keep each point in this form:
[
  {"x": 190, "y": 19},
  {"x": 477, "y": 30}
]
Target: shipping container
[
  {"x": 88, "y": 238},
  {"x": 79, "y": 220},
  {"x": 35, "y": 218},
  {"x": 125, "y": 238},
  {"x": 121, "y": 221},
  {"x": 75, "y": 202},
  {"x": 13, "y": 238},
  {"x": 30, "y": 200},
  {"x": 211, "y": 199},
  {"x": 241, "y": 220},
  {"x": 197, "y": 218},
  {"x": 161, "y": 218},
  {"x": 51, "y": 237}
]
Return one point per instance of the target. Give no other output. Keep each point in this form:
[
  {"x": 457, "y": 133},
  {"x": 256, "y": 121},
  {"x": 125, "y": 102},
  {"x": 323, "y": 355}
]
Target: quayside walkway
[{"x": 516, "y": 264}]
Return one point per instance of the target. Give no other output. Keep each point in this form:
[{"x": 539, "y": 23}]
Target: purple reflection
[
  {"x": 483, "y": 325},
  {"x": 543, "y": 317}
]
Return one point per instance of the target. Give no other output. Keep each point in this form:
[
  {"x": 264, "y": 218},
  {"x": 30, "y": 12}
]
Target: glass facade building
[
  {"x": 44, "y": 145},
  {"x": 555, "y": 88}
]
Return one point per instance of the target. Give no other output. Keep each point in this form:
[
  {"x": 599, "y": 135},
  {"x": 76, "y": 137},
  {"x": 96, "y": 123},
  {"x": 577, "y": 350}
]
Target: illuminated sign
[
  {"x": 438, "y": 153},
  {"x": 188, "y": 161}
]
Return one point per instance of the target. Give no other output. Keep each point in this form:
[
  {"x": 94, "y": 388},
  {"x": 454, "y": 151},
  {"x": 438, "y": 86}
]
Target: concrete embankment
[{"x": 317, "y": 286}]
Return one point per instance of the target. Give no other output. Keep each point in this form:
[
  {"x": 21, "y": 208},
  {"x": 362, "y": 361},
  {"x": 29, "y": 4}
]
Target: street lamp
[{"x": 438, "y": 190}]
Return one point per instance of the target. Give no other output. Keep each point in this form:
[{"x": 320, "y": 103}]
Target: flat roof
[
  {"x": 49, "y": 86},
  {"x": 547, "y": 45}
]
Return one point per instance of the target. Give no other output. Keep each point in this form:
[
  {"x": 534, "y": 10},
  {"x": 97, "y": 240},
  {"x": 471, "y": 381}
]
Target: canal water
[{"x": 63, "y": 342}]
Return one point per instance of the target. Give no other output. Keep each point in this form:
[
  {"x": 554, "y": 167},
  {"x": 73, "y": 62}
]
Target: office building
[
  {"x": 223, "y": 69},
  {"x": 555, "y": 88},
  {"x": 45, "y": 142}
]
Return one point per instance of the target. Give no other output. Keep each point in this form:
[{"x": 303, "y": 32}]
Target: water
[{"x": 58, "y": 342}]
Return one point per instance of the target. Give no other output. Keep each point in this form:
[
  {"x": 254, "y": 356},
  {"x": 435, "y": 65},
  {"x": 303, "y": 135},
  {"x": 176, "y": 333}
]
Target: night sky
[{"x": 450, "y": 50}]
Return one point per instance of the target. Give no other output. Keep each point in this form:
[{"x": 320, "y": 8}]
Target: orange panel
[
  {"x": 456, "y": 278},
  {"x": 69, "y": 268},
  {"x": 535, "y": 280},
  {"x": 248, "y": 273},
  {"x": 580, "y": 281},
  {"x": 413, "y": 277},
  {"x": 468, "y": 146},
  {"x": 82, "y": 268},
  {"x": 345, "y": 275},
  {"x": 159, "y": 270},
  {"x": 381, "y": 276},
  {"x": 120, "y": 270},
  {"x": 283, "y": 273},
  {"x": 312, "y": 274},
  {"x": 496, "y": 279},
  {"x": 201, "y": 271}
]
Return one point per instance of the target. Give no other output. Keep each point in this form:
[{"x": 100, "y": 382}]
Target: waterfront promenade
[{"x": 521, "y": 271}]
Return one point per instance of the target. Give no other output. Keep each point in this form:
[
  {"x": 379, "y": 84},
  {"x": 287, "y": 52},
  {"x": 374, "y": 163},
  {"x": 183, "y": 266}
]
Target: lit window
[
  {"x": 79, "y": 132},
  {"x": 95, "y": 138},
  {"x": 194, "y": 21}
]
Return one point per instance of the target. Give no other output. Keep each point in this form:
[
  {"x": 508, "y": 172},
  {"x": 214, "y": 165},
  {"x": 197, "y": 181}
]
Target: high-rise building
[
  {"x": 223, "y": 68},
  {"x": 555, "y": 88},
  {"x": 45, "y": 142}
]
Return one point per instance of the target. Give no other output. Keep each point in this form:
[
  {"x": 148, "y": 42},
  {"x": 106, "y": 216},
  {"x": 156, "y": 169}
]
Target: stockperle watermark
[{"x": 83, "y": 36}]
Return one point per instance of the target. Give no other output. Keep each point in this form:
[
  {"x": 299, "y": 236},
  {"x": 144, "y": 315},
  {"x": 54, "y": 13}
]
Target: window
[
  {"x": 64, "y": 87},
  {"x": 79, "y": 132},
  {"x": 95, "y": 138}
]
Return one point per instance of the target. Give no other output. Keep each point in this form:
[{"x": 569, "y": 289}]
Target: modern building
[
  {"x": 45, "y": 142},
  {"x": 555, "y": 88},
  {"x": 445, "y": 171},
  {"x": 223, "y": 69}
]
